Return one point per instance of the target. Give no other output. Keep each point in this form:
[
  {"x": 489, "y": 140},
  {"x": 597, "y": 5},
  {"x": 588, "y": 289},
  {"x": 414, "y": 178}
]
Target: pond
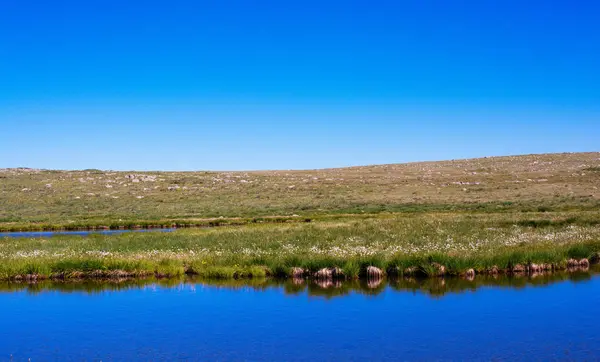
[
  {"x": 47, "y": 234},
  {"x": 542, "y": 318}
]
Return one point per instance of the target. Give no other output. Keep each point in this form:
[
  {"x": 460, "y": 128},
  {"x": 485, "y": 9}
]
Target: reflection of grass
[
  {"x": 33, "y": 199},
  {"x": 435, "y": 287},
  {"x": 442, "y": 286},
  {"x": 391, "y": 242}
]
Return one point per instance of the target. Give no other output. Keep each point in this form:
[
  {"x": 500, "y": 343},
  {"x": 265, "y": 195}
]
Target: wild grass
[
  {"x": 391, "y": 242},
  {"x": 460, "y": 214},
  {"x": 41, "y": 199}
]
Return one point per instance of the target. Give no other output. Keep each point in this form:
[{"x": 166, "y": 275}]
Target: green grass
[{"x": 391, "y": 242}]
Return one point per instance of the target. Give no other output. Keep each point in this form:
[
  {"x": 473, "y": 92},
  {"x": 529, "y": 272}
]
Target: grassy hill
[
  {"x": 535, "y": 213},
  {"x": 32, "y": 198}
]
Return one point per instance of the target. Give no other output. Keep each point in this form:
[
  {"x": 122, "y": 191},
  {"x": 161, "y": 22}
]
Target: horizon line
[{"x": 308, "y": 169}]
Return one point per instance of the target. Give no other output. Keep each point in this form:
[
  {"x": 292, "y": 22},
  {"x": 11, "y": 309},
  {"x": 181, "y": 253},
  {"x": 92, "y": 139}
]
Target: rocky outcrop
[
  {"x": 494, "y": 270},
  {"x": 411, "y": 270},
  {"x": 572, "y": 263},
  {"x": 518, "y": 268},
  {"x": 374, "y": 272},
  {"x": 329, "y": 273},
  {"x": 297, "y": 273},
  {"x": 438, "y": 269}
]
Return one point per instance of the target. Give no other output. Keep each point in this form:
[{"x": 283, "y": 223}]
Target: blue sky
[{"x": 235, "y": 85}]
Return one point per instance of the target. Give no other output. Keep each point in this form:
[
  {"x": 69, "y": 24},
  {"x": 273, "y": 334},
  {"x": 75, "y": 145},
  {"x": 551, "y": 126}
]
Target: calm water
[
  {"x": 545, "y": 318},
  {"x": 47, "y": 234}
]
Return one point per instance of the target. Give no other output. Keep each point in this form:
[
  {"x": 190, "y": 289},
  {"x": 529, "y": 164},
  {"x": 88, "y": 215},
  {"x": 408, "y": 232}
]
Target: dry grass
[
  {"x": 551, "y": 182},
  {"x": 505, "y": 212}
]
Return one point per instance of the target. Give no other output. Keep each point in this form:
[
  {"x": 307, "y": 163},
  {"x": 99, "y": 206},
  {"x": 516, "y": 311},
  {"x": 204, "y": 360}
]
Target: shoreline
[
  {"x": 366, "y": 273},
  {"x": 434, "y": 287}
]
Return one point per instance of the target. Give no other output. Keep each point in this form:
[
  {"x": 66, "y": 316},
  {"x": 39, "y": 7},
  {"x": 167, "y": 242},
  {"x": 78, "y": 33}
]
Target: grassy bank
[{"x": 420, "y": 243}]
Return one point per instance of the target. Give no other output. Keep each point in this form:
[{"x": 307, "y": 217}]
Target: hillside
[{"x": 548, "y": 182}]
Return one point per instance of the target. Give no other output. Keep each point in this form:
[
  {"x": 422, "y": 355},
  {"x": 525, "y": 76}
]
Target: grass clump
[
  {"x": 217, "y": 272},
  {"x": 581, "y": 251},
  {"x": 169, "y": 268},
  {"x": 352, "y": 269}
]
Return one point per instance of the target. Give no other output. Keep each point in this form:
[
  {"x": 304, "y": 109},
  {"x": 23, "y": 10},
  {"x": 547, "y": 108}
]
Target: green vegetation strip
[
  {"x": 394, "y": 243},
  {"x": 150, "y": 224}
]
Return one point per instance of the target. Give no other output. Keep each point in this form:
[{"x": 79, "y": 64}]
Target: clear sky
[{"x": 239, "y": 85}]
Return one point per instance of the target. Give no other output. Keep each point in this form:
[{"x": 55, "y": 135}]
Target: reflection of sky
[{"x": 203, "y": 322}]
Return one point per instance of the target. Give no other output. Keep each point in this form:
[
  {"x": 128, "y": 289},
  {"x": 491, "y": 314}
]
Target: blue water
[
  {"x": 47, "y": 234},
  {"x": 272, "y": 322}
]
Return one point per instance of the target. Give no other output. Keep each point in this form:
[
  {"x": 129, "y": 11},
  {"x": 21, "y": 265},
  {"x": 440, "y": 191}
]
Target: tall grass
[{"x": 409, "y": 244}]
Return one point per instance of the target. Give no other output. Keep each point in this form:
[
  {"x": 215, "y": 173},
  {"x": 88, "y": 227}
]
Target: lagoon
[{"x": 546, "y": 317}]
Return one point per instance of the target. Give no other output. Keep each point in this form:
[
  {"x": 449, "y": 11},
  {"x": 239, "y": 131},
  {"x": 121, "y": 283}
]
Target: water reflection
[
  {"x": 48, "y": 234},
  {"x": 433, "y": 287}
]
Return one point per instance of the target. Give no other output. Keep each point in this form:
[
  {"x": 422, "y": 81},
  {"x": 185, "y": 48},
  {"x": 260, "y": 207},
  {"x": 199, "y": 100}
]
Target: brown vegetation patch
[{"x": 549, "y": 182}]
